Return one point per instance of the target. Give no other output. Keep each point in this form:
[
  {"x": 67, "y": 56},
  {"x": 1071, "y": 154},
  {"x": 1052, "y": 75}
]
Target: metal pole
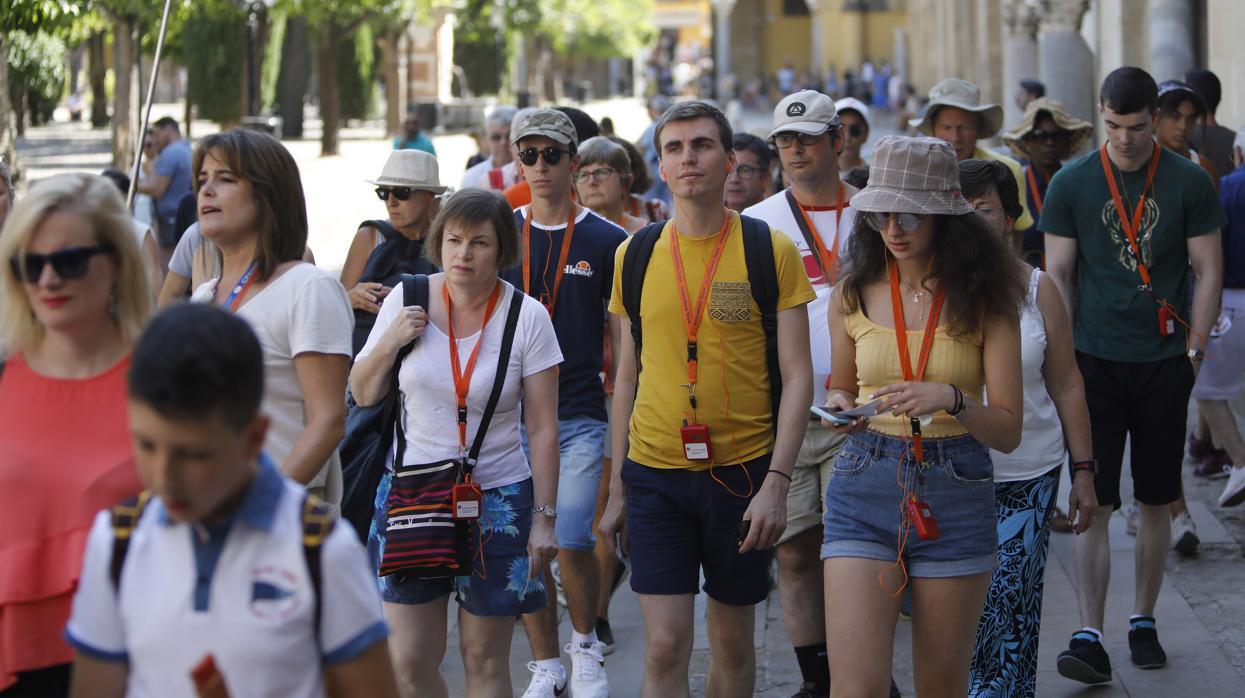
[{"x": 151, "y": 92}]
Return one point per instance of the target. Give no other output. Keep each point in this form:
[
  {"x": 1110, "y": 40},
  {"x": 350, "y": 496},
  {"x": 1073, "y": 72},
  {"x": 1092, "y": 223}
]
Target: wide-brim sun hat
[
  {"x": 413, "y": 169},
  {"x": 913, "y": 175},
  {"x": 961, "y": 94},
  {"x": 1081, "y": 131}
]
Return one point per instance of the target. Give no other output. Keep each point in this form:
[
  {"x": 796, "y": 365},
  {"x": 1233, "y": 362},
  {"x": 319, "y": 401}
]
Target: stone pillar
[
  {"x": 722, "y": 10},
  {"x": 852, "y": 37},
  {"x": 1065, "y": 58},
  {"x": 814, "y": 21},
  {"x": 1020, "y": 53},
  {"x": 1172, "y": 31}
]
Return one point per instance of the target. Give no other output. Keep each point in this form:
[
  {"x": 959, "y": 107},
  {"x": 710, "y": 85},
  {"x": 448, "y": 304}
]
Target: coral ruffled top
[{"x": 65, "y": 453}]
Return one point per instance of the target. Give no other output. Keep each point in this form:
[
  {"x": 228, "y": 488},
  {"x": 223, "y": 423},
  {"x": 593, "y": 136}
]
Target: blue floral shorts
[{"x": 498, "y": 584}]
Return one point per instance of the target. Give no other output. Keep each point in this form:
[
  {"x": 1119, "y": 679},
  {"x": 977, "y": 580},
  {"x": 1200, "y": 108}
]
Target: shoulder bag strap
[
  {"x": 800, "y": 222},
  {"x": 499, "y": 378},
  {"x": 414, "y": 292},
  {"x": 125, "y": 518},
  {"x": 317, "y": 523}
]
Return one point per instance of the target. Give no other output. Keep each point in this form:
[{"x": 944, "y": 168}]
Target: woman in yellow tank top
[{"x": 923, "y": 319}]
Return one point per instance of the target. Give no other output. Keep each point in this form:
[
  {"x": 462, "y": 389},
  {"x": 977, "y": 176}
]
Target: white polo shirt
[{"x": 240, "y": 592}]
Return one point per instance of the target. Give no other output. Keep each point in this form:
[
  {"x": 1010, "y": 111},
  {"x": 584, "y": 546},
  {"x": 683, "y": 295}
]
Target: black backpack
[
  {"x": 396, "y": 256},
  {"x": 762, "y": 277}
]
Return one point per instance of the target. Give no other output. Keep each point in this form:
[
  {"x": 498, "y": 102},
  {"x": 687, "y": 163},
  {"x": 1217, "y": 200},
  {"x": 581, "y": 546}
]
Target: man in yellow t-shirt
[{"x": 706, "y": 462}]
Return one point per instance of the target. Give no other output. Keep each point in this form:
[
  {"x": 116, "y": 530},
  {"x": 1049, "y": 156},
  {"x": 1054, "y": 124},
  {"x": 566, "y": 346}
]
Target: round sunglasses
[
  {"x": 69, "y": 264},
  {"x": 551, "y": 155},
  {"x": 908, "y": 222}
]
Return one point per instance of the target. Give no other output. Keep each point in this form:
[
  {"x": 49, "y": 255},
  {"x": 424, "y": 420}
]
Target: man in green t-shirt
[{"x": 1124, "y": 227}]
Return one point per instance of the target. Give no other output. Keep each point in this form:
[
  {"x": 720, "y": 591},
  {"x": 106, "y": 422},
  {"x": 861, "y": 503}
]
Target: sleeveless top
[
  {"x": 956, "y": 360},
  {"x": 1041, "y": 441}
]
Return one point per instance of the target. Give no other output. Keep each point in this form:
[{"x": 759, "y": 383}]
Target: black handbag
[{"x": 370, "y": 431}]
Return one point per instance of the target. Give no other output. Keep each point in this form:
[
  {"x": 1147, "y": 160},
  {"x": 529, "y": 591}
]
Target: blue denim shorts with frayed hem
[{"x": 864, "y": 500}]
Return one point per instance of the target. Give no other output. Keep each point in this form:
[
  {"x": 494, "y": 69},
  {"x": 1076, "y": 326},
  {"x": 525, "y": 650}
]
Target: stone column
[
  {"x": 722, "y": 10},
  {"x": 1065, "y": 59},
  {"x": 1172, "y": 29},
  {"x": 1020, "y": 53}
]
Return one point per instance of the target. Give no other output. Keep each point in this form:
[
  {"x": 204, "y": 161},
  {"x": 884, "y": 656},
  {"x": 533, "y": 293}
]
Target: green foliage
[
  {"x": 356, "y": 74},
  {"x": 214, "y": 48},
  {"x": 598, "y": 28},
  {"x": 45, "y": 16},
  {"x": 476, "y": 47},
  {"x": 36, "y": 72}
]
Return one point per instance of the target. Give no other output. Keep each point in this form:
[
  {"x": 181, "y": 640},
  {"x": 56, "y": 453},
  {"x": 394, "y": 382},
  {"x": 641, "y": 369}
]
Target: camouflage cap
[{"x": 549, "y": 123}]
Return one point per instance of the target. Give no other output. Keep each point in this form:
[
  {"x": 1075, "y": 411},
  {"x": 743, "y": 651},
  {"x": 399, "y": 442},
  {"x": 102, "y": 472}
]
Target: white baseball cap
[{"x": 806, "y": 111}]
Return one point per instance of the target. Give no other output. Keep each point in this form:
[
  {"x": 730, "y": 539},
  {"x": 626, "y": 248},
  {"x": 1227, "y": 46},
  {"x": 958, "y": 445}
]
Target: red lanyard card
[
  {"x": 1167, "y": 321},
  {"x": 696, "y": 445},
  {"x": 467, "y": 497},
  {"x": 922, "y": 518}
]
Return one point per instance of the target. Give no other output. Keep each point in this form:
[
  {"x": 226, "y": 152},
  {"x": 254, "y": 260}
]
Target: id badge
[
  {"x": 696, "y": 442},
  {"x": 922, "y": 518},
  {"x": 1167, "y": 322},
  {"x": 466, "y": 498}
]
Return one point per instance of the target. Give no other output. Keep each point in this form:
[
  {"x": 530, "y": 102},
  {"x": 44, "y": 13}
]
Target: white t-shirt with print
[
  {"x": 429, "y": 407},
  {"x": 477, "y": 177}
]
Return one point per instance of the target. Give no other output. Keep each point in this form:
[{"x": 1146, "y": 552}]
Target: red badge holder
[
  {"x": 467, "y": 498},
  {"x": 696, "y": 445},
  {"x": 922, "y": 518},
  {"x": 1167, "y": 321}
]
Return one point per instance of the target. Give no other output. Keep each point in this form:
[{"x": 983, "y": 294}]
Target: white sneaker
[
  {"x": 1184, "y": 534},
  {"x": 1131, "y": 514},
  {"x": 544, "y": 682},
  {"x": 588, "y": 678},
  {"x": 1234, "y": 491}
]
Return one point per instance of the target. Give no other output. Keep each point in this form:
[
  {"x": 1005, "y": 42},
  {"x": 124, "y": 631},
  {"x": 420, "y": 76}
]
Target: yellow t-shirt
[
  {"x": 954, "y": 360},
  {"x": 732, "y": 391}
]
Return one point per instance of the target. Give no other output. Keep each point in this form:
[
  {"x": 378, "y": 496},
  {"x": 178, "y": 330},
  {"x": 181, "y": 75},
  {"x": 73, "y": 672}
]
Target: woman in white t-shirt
[
  {"x": 1026, "y": 480},
  {"x": 251, "y": 206},
  {"x": 472, "y": 238}
]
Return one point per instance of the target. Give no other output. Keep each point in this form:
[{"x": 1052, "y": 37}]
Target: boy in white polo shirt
[{"x": 227, "y": 571}]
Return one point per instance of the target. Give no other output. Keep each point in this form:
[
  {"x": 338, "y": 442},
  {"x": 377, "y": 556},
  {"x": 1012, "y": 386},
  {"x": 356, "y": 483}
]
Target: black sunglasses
[
  {"x": 399, "y": 193},
  {"x": 69, "y": 264},
  {"x": 908, "y": 222},
  {"x": 855, "y": 130},
  {"x": 551, "y": 155},
  {"x": 1056, "y": 136}
]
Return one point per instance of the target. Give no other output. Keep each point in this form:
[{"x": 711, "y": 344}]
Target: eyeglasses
[
  {"x": 1056, "y": 136},
  {"x": 746, "y": 172},
  {"x": 598, "y": 175},
  {"x": 551, "y": 155},
  {"x": 69, "y": 264},
  {"x": 908, "y": 222},
  {"x": 399, "y": 193},
  {"x": 787, "y": 139}
]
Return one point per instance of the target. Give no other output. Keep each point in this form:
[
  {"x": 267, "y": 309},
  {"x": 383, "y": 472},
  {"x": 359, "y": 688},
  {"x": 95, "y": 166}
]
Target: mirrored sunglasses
[{"x": 908, "y": 222}]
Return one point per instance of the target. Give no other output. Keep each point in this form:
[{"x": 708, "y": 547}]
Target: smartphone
[
  {"x": 618, "y": 550},
  {"x": 835, "y": 418},
  {"x": 744, "y": 527}
]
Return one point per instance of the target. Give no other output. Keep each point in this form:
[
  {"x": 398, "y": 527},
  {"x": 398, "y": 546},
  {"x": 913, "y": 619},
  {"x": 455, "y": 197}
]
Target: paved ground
[{"x": 1201, "y": 610}]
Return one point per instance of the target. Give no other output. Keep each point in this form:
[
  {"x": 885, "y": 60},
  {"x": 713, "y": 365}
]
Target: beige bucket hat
[
  {"x": 961, "y": 94},
  {"x": 1081, "y": 131},
  {"x": 913, "y": 175},
  {"x": 413, "y": 169}
]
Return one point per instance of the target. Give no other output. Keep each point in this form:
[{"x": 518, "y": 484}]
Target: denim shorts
[
  {"x": 498, "y": 584},
  {"x": 680, "y": 520},
  {"x": 864, "y": 498},
  {"x": 581, "y": 450}
]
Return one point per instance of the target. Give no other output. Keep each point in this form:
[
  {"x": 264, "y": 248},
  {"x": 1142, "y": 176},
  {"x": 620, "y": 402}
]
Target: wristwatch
[
  {"x": 1090, "y": 465},
  {"x": 547, "y": 510},
  {"x": 1196, "y": 355}
]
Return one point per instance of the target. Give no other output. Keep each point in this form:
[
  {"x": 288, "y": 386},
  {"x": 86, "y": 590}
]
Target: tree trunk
[
  {"x": 293, "y": 78},
  {"x": 98, "y": 70},
  {"x": 125, "y": 109},
  {"x": 390, "y": 47},
  {"x": 188, "y": 115},
  {"x": 327, "y": 42},
  {"x": 8, "y": 148}
]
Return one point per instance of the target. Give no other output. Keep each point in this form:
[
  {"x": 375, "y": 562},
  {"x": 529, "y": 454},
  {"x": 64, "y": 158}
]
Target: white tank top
[{"x": 1041, "y": 442}]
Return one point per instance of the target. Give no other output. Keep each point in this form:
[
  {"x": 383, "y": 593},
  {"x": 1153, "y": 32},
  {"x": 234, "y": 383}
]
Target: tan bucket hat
[
  {"x": 913, "y": 175},
  {"x": 413, "y": 169},
  {"x": 1082, "y": 131},
  {"x": 961, "y": 94}
]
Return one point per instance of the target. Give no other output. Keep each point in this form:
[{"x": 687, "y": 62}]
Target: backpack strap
[
  {"x": 318, "y": 520},
  {"x": 125, "y": 518},
  {"x": 634, "y": 266},
  {"x": 414, "y": 292},
  {"x": 763, "y": 278},
  {"x": 385, "y": 228},
  {"x": 499, "y": 378}
]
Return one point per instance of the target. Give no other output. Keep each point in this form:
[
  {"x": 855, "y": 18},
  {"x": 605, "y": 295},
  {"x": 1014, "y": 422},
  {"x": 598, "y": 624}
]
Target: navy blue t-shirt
[
  {"x": 1232, "y": 197},
  {"x": 579, "y": 314}
]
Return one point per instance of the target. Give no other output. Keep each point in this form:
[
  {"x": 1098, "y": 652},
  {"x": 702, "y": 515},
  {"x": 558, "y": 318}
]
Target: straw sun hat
[{"x": 1081, "y": 131}]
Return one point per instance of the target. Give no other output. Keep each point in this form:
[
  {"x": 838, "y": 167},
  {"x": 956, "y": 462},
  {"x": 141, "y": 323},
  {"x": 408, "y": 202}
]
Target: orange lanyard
[
  {"x": 1131, "y": 226},
  {"x": 462, "y": 381},
  {"x": 829, "y": 259},
  {"x": 901, "y": 341},
  {"x": 691, "y": 319},
  {"x": 562, "y": 256},
  {"x": 1033, "y": 189}
]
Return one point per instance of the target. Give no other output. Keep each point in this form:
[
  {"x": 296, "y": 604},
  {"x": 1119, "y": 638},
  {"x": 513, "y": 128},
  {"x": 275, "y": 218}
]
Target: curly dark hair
[{"x": 974, "y": 265}]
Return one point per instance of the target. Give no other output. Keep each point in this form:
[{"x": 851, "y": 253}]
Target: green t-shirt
[{"x": 1114, "y": 319}]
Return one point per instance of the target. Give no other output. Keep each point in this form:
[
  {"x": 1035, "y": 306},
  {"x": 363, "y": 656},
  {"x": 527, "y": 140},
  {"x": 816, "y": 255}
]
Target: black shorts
[
  {"x": 679, "y": 521},
  {"x": 1149, "y": 403}
]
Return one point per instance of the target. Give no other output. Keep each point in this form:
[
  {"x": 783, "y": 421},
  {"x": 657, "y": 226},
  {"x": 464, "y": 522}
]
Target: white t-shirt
[
  {"x": 257, "y": 620},
  {"x": 476, "y": 176},
  {"x": 304, "y": 310},
  {"x": 777, "y": 213},
  {"x": 429, "y": 412}
]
